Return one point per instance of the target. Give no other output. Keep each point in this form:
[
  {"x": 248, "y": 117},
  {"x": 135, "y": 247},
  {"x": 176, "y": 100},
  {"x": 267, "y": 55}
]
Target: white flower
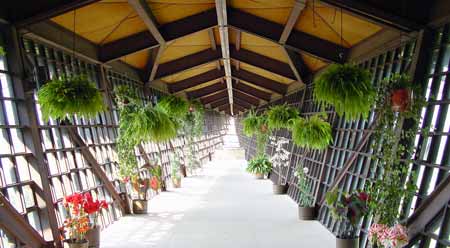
[{"x": 305, "y": 170}]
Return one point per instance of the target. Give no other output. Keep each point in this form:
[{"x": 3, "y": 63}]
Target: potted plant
[
  {"x": 348, "y": 209},
  {"x": 176, "y": 170},
  {"x": 280, "y": 159},
  {"x": 381, "y": 235},
  {"x": 312, "y": 132},
  {"x": 259, "y": 166},
  {"x": 77, "y": 222},
  {"x": 348, "y": 88},
  {"x": 281, "y": 116},
  {"x": 69, "y": 95},
  {"x": 93, "y": 208},
  {"x": 400, "y": 92},
  {"x": 306, "y": 209}
]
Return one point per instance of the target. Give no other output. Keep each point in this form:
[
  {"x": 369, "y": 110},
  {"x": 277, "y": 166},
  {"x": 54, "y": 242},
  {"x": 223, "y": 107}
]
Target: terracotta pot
[
  {"x": 347, "y": 243},
  {"x": 76, "y": 245},
  {"x": 400, "y": 100},
  {"x": 259, "y": 176},
  {"x": 280, "y": 189},
  {"x": 306, "y": 213},
  {"x": 176, "y": 182},
  {"x": 93, "y": 236},
  {"x": 140, "y": 206}
]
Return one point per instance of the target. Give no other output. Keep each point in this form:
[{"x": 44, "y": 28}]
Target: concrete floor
[{"x": 223, "y": 206}]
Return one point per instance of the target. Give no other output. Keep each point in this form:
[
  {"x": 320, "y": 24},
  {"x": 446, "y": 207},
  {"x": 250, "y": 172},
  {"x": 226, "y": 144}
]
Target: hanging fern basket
[
  {"x": 348, "y": 88},
  {"x": 311, "y": 133},
  {"x": 70, "y": 95},
  {"x": 280, "y": 116}
]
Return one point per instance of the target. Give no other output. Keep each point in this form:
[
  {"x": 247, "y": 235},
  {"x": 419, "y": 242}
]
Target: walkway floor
[{"x": 222, "y": 207}]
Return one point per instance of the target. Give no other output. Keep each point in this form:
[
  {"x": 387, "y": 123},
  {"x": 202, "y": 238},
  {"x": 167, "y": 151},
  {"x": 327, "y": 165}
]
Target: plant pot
[
  {"x": 259, "y": 176},
  {"x": 176, "y": 182},
  {"x": 400, "y": 99},
  {"x": 76, "y": 245},
  {"x": 183, "y": 170},
  {"x": 140, "y": 206},
  {"x": 306, "y": 213},
  {"x": 93, "y": 236},
  {"x": 347, "y": 243},
  {"x": 280, "y": 189}
]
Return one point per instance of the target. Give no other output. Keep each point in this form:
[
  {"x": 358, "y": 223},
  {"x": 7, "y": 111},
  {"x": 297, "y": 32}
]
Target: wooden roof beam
[
  {"x": 196, "y": 80},
  {"x": 383, "y": 17},
  {"x": 222, "y": 21},
  {"x": 251, "y": 91},
  {"x": 206, "y": 90},
  {"x": 37, "y": 11},
  {"x": 247, "y": 98},
  {"x": 221, "y": 102},
  {"x": 260, "y": 81},
  {"x": 145, "y": 40},
  {"x": 243, "y": 103},
  {"x": 214, "y": 97},
  {"x": 297, "y": 40}
]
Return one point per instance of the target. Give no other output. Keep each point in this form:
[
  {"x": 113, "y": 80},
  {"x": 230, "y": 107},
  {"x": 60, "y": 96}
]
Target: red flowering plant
[
  {"x": 348, "y": 209},
  {"x": 77, "y": 222},
  {"x": 382, "y": 235},
  {"x": 93, "y": 208}
]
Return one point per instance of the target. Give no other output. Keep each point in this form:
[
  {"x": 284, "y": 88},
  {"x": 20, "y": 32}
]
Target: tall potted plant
[
  {"x": 76, "y": 225},
  {"x": 259, "y": 166},
  {"x": 306, "y": 209},
  {"x": 280, "y": 160},
  {"x": 348, "y": 209},
  {"x": 348, "y": 88},
  {"x": 93, "y": 208},
  {"x": 69, "y": 95}
]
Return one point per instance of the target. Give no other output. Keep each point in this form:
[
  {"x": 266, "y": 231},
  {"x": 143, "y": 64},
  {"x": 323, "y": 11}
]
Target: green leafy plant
[
  {"x": 174, "y": 106},
  {"x": 2, "y": 51},
  {"x": 70, "y": 95},
  {"x": 348, "y": 88},
  {"x": 257, "y": 125},
  {"x": 251, "y": 123},
  {"x": 259, "y": 165},
  {"x": 312, "y": 132},
  {"x": 304, "y": 187},
  {"x": 281, "y": 116}
]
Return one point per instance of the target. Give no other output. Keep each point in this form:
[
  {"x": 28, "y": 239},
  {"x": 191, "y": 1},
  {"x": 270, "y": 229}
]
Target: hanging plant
[
  {"x": 70, "y": 95},
  {"x": 280, "y": 116},
  {"x": 254, "y": 124},
  {"x": 347, "y": 88},
  {"x": 174, "y": 106},
  {"x": 400, "y": 90},
  {"x": 311, "y": 133}
]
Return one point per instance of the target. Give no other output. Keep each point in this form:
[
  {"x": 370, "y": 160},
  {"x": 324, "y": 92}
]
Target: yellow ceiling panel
[
  {"x": 266, "y": 74},
  {"x": 313, "y": 63},
  {"x": 276, "y": 11},
  {"x": 325, "y": 22},
  {"x": 137, "y": 59},
  {"x": 166, "y": 11},
  {"x": 263, "y": 47},
  {"x": 204, "y": 85},
  {"x": 186, "y": 46},
  {"x": 189, "y": 73},
  {"x": 102, "y": 22}
]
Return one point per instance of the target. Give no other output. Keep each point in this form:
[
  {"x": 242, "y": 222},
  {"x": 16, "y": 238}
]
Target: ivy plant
[
  {"x": 70, "y": 95},
  {"x": 347, "y": 88}
]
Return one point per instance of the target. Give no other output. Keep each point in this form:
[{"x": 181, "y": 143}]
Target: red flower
[
  {"x": 154, "y": 183},
  {"x": 103, "y": 204},
  {"x": 363, "y": 196}
]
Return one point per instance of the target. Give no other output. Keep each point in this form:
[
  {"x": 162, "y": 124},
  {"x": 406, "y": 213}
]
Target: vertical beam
[
  {"x": 221, "y": 9},
  {"x": 28, "y": 116}
]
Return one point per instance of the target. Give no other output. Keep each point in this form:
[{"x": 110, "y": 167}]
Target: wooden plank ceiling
[{"x": 273, "y": 44}]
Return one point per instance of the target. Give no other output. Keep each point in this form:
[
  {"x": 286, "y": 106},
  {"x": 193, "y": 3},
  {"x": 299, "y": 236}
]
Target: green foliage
[
  {"x": 175, "y": 165},
  {"x": 281, "y": 116},
  {"x": 193, "y": 121},
  {"x": 311, "y": 133},
  {"x": 174, "y": 106},
  {"x": 2, "y": 51},
  {"x": 70, "y": 95},
  {"x": 393, "y": 148},
  {"x": 250, "y": 124},
  {"x": 257, "y": 125},
  {"x": 304, "y": 187},
  {"x": 348, "y": 88},
  {"x": 260, "y": 164}
]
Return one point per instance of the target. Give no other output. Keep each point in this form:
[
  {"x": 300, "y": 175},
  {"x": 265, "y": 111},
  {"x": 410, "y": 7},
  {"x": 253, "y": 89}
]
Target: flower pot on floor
[
  {"x": 347, "y": 243},
  {"x": 93, "y": 236},
  {"x": 176, "y": 182},
  {"x": 259, "y": 176},
  {"x": 183, "y": 170},
  {"x": 68, "y": 244},
  {"x": 140, "y": 206},
  {"x": 306, "y": 213},
  {"x": 280, "y": 189}
]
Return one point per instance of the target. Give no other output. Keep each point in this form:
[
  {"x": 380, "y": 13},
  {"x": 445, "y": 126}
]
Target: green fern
[
  {"x": 347, "y": 88},
  {"x": 311, "y": 133},
  {"x": 174, "y": 106},
  {"x": 250, "y": 124},
  {"x": 70, "y": 95},
  {"x": 280, "y": 116}
]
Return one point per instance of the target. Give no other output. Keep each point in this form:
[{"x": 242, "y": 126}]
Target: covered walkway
[{"x": 221, "y": 207}]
